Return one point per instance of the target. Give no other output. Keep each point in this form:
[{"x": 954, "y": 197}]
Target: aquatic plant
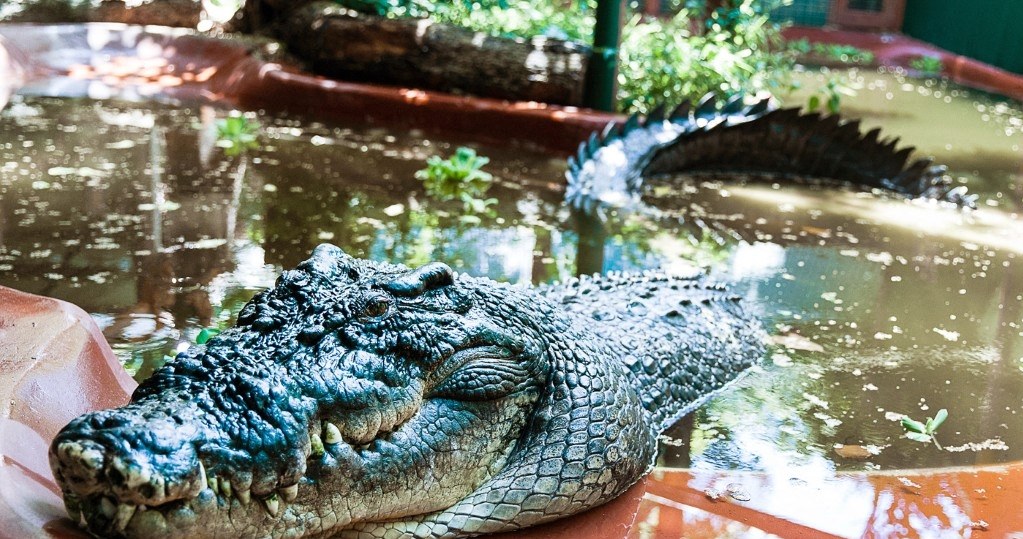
[
  {"x": 929, "y": 66},
  {"x": 831, "y": 52},
  {"x": 459, "y": 177},
  {"x": 925, "y": 432},
  {"x": 236, "y": 134},
  {"x": 830, "y": 96}
]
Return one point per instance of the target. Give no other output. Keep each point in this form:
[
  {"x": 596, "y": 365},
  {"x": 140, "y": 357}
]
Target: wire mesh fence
[{"x": 804, "y": 12}]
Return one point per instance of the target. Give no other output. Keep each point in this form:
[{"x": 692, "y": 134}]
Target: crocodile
[
  {"x": 369, "y": 400},
  {"x": 755, "y": 141},
  {"x": 363, "y": 399}
]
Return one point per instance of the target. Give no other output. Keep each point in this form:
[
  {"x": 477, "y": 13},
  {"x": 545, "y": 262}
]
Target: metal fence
[{"x": 804, "y": 12}]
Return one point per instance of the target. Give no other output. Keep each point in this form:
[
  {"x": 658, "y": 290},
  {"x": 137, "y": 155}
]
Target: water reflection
[
  {"x": 943, "y": 504},
  {"x": 881, "y": 308},
  {"x": 137, "y": 216}
]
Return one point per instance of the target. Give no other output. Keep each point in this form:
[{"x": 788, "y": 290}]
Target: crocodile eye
[{"x": 375, "y": 307}]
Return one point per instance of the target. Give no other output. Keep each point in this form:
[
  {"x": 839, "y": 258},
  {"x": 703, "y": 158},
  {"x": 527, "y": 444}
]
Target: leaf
[
  {"x": 918, "y": 436},
  {"x": 813, "y": 103},
  {"x": 939, "y": 418},
  {"x": 834, "y": 103},
  {"x": 206, "y": 334},
  {"x": 913, "y": 425}
]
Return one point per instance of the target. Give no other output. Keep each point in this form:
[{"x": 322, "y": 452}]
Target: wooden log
[
  {"x": 420, "y": 53},
  {"x": 180, "y": 13}
]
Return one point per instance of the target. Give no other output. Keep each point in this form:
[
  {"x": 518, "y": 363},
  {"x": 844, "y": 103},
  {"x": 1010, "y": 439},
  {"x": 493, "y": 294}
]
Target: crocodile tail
[
  {"x": 755, "y": 140},
  {"x": 789, "y": 144},
  {"x": 606, "y": 166}
]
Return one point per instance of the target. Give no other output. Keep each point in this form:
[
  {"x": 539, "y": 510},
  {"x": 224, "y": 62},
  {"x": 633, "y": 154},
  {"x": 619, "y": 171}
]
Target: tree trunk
[{"x": 423, "y": 54}]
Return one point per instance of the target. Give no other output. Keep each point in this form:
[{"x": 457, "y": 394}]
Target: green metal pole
[{"x": 599, "y": 92}]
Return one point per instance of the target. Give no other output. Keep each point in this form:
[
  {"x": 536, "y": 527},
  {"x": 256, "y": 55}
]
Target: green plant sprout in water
[
  {"x": 929, "y": 66},
  {"x": 830, "y": 96},
  {"x": 925, "y": 432},
  {"x": 236, "y": 134},
  {"x": 831, "y": 52},
  {"x": 460, "y": 177}
]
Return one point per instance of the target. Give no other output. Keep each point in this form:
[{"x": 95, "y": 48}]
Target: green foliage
[
  {"x": 847, "y": 54},
  {"x": 925, "y": 432},
  {"x": 494, "y": 17},
  {"x": 520, "y": 19},
  {"x": 237, "y": 134},
  {"x": 411, "y": 8},
  {"x": 459, "y": 177},
  {"x": 831, "y": 52},
  {"x": 930, "y": 66},
  {"x": 666, "y": 61},
  {"x": 830, "y": 96},
  {"x": 45, "y": 10},
  {"x": 734, "y": 48}
]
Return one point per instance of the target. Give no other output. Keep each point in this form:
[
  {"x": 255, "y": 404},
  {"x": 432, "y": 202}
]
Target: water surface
[{"x": 880, "y": 307}]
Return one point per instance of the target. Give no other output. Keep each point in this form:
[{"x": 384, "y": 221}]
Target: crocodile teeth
[
  {"x": 107, "y": 507},
  {"x": 202, "y": 475},
  {"x": 82, "y": 523},
  {"x": 331, "y": 434},
  {"x": 316, "y": 443},
  {"x": 272, "y": 504},
  {"x": 244, "y": 495},
  {"x": 225, "y": 488},
  {"x": 124, "y": 514},
  {"x": 214, "y": 484},
  {"x": 289, "y": 493}
]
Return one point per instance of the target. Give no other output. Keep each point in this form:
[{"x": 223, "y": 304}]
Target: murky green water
[{"x": 887, "y": 308}]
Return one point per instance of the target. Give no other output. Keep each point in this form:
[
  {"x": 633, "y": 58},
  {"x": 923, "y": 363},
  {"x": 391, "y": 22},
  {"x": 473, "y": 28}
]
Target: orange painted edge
[{"x": 898, "y": 50}]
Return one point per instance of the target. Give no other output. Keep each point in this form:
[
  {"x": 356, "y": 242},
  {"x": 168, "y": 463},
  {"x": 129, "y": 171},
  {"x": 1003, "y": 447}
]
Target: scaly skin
[
  {"x": 362, "y": 399},
  {"x": 612, "y": 168}
]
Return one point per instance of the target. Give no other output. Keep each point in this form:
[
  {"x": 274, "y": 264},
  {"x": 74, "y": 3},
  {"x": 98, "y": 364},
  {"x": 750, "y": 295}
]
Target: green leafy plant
[
  {"x": 800, "y": 46},
  {"x": 737, "y": 49},
  {"x": 734, "y": 47},
  {"x": 385, "y": 7},
  {"x": 830, "y": 52},
  {"x": 830, "y": 96},
  {"x": 925, "y": 432},
  {"x": 930, "y": 66},
  {"x": 846, "y": 54},
  {"x": 237, "y": 134},
  {"x": 459, "y": 177},
  {"x": 495, "y": 17}
]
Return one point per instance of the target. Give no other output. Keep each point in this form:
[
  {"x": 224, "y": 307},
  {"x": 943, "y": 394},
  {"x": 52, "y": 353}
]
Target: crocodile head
[{"x": 350, "y": 392}]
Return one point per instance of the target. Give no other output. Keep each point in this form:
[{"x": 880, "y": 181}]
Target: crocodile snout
[{"x": 109, "y": 465}]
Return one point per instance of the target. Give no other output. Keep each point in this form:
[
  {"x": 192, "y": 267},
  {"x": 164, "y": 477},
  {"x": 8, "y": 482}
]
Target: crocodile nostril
[
  {"x": 115, "y": 476},
  {"x": 147, "y": 491},
  {"x": 132, "y": 464}
]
